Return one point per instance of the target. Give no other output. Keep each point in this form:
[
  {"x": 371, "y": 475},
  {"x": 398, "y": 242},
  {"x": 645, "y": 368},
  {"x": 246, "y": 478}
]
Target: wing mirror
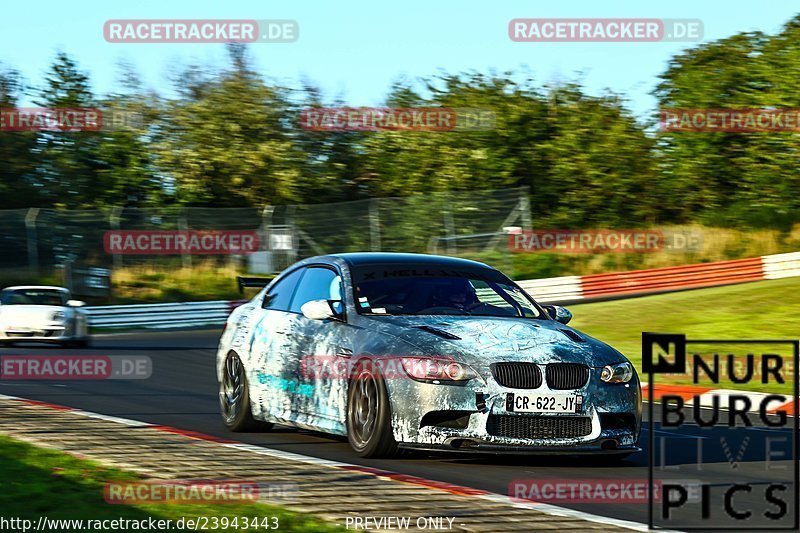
[
  {"x": 321, "y": 309},
  {"x": 558, "y": 313},
  {"x": 75, "y": 303}
]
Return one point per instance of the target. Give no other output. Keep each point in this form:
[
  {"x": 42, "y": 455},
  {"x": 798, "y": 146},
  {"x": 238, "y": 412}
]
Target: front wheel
[
  {"x": 234, "y": 398},
  {"x": 369, "y": 415}
]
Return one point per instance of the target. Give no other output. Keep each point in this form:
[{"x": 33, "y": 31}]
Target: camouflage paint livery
[{"x": 272, "y": 345}]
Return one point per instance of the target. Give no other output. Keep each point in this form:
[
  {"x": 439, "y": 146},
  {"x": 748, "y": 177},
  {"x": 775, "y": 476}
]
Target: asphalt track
[{"x": 182, "y": 392}]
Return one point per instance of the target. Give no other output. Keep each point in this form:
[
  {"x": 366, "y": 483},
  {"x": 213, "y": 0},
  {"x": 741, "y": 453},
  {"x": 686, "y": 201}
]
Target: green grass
[
  {"x": 44, "y": 482},
  {"x": 760, "y": 310}
]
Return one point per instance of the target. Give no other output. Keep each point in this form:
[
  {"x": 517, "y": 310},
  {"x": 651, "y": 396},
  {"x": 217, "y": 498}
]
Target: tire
[
  {"x": 84, "y": 342},
  {"x": 369, "y": 414},
  {"x": 234, "y": 398},
  {"x": 75, "y": 343}
]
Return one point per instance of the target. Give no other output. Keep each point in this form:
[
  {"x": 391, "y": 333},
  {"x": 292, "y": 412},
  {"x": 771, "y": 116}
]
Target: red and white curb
[
  {"x": 460, "y": 490},
  {"x": 578, "y": 289},
  {"x": 705, "y": 395}
]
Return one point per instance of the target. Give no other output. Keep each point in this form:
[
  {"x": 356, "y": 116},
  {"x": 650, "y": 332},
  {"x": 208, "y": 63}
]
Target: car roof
[
  {"x": 25, "y": 287},
  {"x": 382, "y": 258}
]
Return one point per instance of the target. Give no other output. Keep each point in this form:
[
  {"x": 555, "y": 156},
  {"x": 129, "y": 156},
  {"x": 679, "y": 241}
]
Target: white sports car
[{"x": 42, "y": 314}]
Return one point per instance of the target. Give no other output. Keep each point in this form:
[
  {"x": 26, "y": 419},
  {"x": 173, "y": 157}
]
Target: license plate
[{"x": 543, "y": 403}]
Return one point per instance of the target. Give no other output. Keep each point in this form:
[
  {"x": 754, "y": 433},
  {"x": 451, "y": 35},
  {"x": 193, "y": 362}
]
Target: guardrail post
[
  {"x": 521, "y": 211},
  {"x": 33, "y": 243},
  {"x": 183, "y": 225},
  {"x": 114, "y": 223},
  {"x": 525, "y": 212},
  {"x": 374, "y": 225},
  {"x": 266, "y": 222},
  {"x": 295, "y": 231},
  {"x": 450, "y": 231}
]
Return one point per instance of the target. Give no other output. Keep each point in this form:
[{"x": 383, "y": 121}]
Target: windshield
[
  {"x": 33, "y": 297},
  {"x": 412, "y": 294}
]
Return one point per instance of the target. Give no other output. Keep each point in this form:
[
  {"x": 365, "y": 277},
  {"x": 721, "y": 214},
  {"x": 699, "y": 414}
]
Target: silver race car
[
  {"x": 42, "y": 314},
  {"x": 427, "y": 352}
]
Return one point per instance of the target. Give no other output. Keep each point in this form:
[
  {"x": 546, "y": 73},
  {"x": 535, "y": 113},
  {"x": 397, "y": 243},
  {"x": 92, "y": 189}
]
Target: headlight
[
  {"x": 619, "y": 373},
  {"x": 433, "y": 370},
  {"x": 58, "y": 316}
]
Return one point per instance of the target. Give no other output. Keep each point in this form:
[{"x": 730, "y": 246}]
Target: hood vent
[
  {"x": 572, "y": 335},
  {"x": 440, "y": 332}
]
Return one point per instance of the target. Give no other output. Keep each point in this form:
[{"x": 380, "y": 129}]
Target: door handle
[{"x": 344, "y": 352}]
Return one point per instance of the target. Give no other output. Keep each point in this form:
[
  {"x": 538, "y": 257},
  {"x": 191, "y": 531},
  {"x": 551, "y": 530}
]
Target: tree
[
  {"x": 733, "y": 178},
  {"x": 67, "y": 161},
  {"x": 225, "y": 142},
  {"x": 126, "y": 173},
  {"x": 17, "y": 188}
]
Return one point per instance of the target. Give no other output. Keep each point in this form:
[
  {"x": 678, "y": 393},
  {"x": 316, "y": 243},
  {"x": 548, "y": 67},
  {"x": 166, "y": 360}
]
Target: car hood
[
  {"x": 481, "y": 341},
  {"x": 19, "y": 314}
]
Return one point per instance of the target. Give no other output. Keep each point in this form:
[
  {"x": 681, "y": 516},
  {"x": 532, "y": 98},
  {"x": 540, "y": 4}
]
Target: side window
[
  {"x": 280, "y": 295},
  {"x": 317, "y": 284},
  {"x": 486, "y": 295},
  {"x": 523, "y": 302}
]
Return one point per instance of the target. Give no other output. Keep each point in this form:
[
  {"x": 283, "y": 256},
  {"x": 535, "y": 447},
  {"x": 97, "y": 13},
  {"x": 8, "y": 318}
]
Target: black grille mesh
[
  {"x": 566, "y": 376},
  {"x": 518, "y": 375},
  {"x": 539, "y": 427}
]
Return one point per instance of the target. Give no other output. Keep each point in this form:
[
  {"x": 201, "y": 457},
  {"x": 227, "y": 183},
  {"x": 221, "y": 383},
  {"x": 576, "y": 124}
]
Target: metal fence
[{"x": 39, "y": 240}]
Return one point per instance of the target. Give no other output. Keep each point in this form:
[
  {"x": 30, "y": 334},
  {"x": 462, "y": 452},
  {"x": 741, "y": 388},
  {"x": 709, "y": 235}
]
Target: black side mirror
[{"x": 558, "y": 313}]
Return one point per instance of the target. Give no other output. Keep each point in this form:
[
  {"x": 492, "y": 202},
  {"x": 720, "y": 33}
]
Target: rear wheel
[
  {"x": 234, "y": 398},
  {"x": 369, "y": 416}
]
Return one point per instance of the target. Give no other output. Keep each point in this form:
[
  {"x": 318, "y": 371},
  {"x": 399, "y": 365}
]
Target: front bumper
[
  {"x": 467, "y": 417},
  {"x": 44, "y": 333},
  {"x": 488, "y": 447}
]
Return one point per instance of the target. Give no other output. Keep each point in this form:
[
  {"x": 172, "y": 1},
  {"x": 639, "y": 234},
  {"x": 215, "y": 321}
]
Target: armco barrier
[
  {"x": 160, "y": 315},
  {"x": 672, "y": 278},
  {"x": 561, "y": 290},
  {"x": 781, "y": 265}
]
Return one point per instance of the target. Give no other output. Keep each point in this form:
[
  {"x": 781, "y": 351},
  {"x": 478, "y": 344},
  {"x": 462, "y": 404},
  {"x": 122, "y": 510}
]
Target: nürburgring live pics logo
[{"x": 739, "y": 447}]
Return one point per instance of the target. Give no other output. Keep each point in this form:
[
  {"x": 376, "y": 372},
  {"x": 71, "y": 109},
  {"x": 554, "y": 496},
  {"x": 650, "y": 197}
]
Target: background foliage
[{"x": 231, "y": 138}]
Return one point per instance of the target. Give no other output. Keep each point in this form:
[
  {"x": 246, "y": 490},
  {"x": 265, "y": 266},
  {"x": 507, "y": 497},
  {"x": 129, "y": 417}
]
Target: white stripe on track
[{"x": 545, "y": 508}]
